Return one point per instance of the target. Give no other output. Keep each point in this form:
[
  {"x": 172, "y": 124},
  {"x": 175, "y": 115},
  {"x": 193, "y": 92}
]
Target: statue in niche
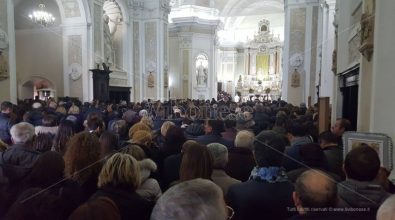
[
  {"x": 295, "y": 79},
  {"x": 108, "y": 49},
  {"x": 151, "y": 80},
  {"x": 240, "y": 83},
  {"x": 201, "y": 75},
  {"x": 3, "y": 66},
  {"x": 166, "y": 78},
  {"x": 334, "y": 61}
]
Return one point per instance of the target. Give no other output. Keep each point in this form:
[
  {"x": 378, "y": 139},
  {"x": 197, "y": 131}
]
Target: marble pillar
[{"x": 300, "y": 49}]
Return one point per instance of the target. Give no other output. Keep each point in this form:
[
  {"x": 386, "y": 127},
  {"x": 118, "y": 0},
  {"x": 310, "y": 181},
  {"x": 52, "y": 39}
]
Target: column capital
[{"x": 301, "y": 3}]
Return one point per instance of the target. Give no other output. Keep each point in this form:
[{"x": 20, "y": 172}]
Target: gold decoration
[
  {"x": 3, "y": 66},
  {"x": 151, "y": 80},
  {"x": 367, "y": 30},
  {"x": 295, "y": 79}
]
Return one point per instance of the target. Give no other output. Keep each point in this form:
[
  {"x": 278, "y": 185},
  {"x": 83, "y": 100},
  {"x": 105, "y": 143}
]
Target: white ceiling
[{"x": 230, "y": 8}]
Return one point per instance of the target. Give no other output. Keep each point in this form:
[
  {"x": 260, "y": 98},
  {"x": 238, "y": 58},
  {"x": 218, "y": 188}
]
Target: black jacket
[
  {"x": 129, "y": 203},
  {"x": 261, "y": 200},
  {"x": 5, "y": 127},
  {"x": 16, "y": 162}
]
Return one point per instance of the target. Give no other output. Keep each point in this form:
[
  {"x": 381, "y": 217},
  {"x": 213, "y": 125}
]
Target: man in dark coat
[
  {"x": 268, "y": 193},
  {"x": 360, "y": 190},
  {"x": 6, "y": 122},
  {"x": 212, "y": 130},
  {"x": 19, "y": 158},
  {"x": 16, "y": 162},
  {"x": 241, "y": 154}
]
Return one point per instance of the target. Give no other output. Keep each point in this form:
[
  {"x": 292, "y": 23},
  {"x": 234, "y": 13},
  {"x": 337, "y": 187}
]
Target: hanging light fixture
[{"x": 41, "y": 16}]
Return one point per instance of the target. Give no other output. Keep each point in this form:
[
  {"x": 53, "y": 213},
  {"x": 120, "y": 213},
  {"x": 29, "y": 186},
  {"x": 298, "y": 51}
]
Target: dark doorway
[
  {"x": 349, "y": 89},
  {"x": 119, "y": 93}
]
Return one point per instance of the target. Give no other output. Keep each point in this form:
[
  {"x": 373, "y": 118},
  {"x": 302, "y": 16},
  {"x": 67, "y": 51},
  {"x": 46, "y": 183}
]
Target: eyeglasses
[{"x": 231, "y": 212}]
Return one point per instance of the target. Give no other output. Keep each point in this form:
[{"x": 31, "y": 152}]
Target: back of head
[
  {"x": 316, "y": 190},
  {"x": 165, "y": 127},
  {"x": 217, "y": 126},
  {"x": 230, "y": 121},
  {"x": 134, "y": 150},
  {"x": 148, "y": 121},
  {"x": 327, "y": 137},
  {"x": 269, "y": 147},
  {"x": 143, "y": 138},
  {"x": 120, "y": 171},
  {"x": 386, "y": 210},
  {"x": 65, "y": 132},
  {"x": 82, "y": 153},
  {"x": 197, "y": 199},
  {"x": 297, "y": 129},
  {"x": 108, "y": 143},
  {"x": 74, "y": 109},
  {"x": 245, "y": 139},
  {"x": 97, "y": 209},
  {"x": 42, "y": 142},
  {"x": 312, "y": 155},
  {"x": 48, "y": 120},
  {"x": 174, "y": 139},
  {"x": 95, "y": 123},
  {"x": 362, "y": 163},
  {"x": 219, "y": 152},
  {"x": 137, "y": 127},
  {"x": 196, "y": 162},
  {"x": 22, "y": 133},
  {"x": 6, "y": 105}
]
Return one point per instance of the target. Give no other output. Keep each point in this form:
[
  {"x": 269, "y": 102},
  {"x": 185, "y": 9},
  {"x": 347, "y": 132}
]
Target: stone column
[
  {"x": 7, "y": 47},
  {"x": 300, "y": 50},
  {"x": 328, "y": 45},
  {"x": 150, "y": 19}
]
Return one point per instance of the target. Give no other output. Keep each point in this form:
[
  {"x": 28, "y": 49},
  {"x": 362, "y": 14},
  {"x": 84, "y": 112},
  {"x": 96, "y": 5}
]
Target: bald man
[
  {"x": 315, "y": 197},
  {"x": 387, "y": 209}
]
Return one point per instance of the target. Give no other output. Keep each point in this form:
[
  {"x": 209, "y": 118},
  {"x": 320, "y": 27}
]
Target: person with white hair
[
  {"x": 17, "y": 160},
  {"x": 196, "y": 199},
  {"x": 241, "y": 154},
  {"x": 219, "y": 153},
  {"x": 387, "y": 209}
]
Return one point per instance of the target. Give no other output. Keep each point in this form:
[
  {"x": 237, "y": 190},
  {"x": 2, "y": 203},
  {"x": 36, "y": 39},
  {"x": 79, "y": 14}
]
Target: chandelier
[{"x": 42, "y": 17}]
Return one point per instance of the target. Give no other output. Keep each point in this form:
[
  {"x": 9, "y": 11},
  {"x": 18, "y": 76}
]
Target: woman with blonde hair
[
  {"x": 144, "y": 140},
  {"x": 138, "y": 127},
  {"x": 118, "y": 180}
]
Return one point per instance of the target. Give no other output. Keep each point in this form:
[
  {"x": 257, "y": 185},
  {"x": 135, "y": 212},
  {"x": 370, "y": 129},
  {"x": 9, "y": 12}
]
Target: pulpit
[{"x": 101, "y": 83}]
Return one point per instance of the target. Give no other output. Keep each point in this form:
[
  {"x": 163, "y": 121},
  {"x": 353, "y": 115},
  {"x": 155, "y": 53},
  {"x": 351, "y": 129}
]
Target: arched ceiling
[
  {"x": 23, "y": 8},
  {"x": 231, "y": 8}
]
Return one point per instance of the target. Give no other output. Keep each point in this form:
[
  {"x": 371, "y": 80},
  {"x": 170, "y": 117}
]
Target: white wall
[
  {"x": 383, "y": 107},
  {"x": 39, "y": 53}
]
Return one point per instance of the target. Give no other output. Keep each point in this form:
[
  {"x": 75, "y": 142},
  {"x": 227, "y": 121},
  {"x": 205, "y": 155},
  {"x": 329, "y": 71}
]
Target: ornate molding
[
  {"x": 367, "y": 35},
  {"x": 367, "y": 29}
]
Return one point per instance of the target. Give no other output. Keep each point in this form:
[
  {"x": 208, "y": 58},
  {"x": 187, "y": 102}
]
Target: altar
[{"x": 259, "y": 73}]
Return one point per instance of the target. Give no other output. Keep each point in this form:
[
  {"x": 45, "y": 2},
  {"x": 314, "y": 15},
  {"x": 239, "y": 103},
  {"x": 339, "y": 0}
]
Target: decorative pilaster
[
  {"x": 150, "y": 46},
  {"x": 300, "y": 50}
]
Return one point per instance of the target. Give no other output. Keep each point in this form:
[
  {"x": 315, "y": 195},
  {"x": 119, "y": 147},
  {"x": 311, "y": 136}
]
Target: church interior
[{"x": 335, "y": 54}]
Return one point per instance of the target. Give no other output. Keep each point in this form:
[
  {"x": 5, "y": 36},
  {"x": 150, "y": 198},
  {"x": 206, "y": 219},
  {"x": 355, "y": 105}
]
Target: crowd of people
[{"x": 184, "y": 159}]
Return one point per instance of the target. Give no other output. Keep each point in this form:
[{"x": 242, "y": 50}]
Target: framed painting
[{"x": 381, "y": 143}]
